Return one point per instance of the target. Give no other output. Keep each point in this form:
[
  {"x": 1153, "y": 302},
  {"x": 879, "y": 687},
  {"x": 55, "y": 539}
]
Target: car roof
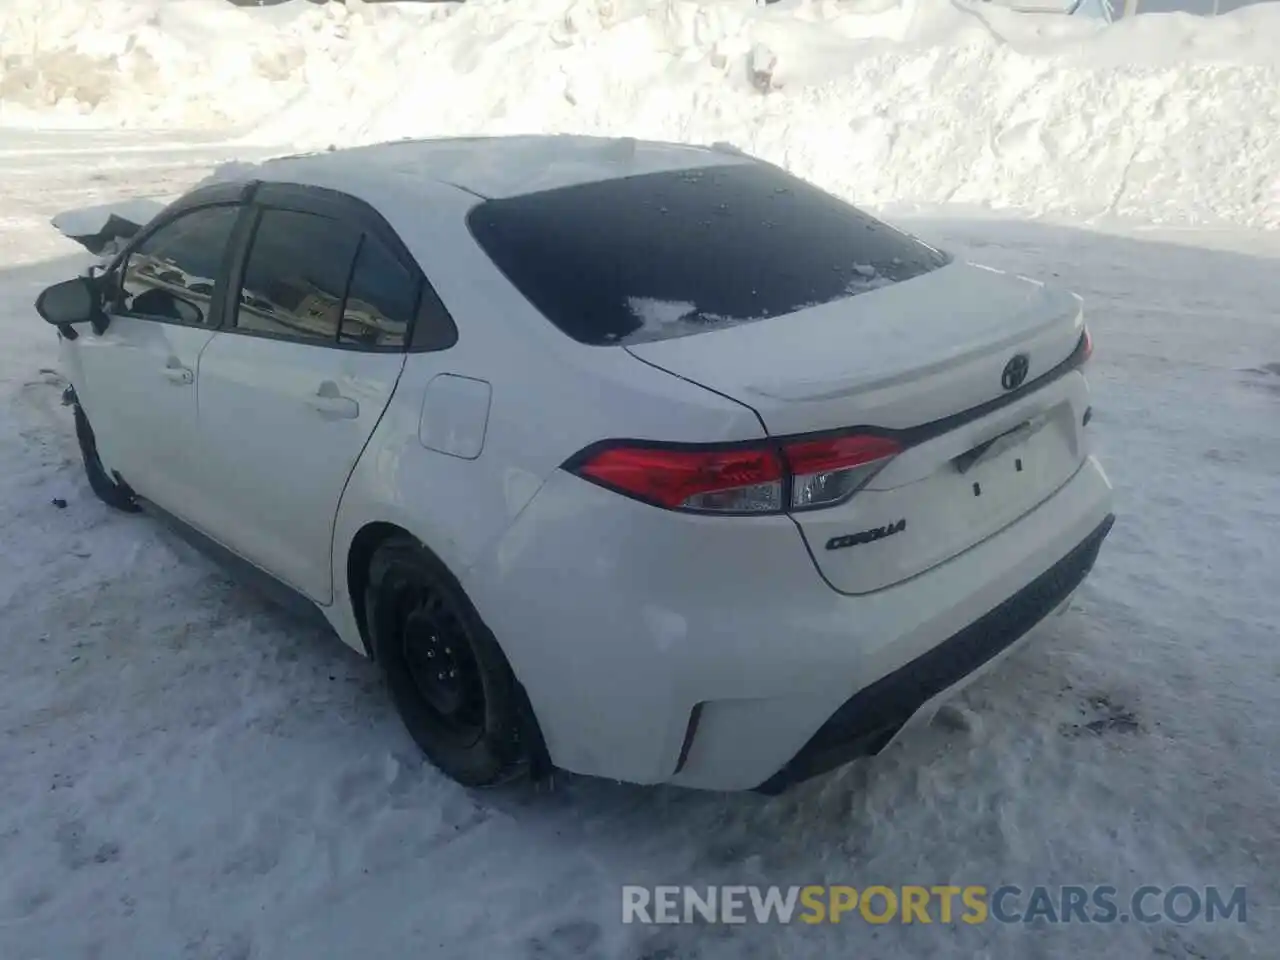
[{"x": 489, "y": 167}]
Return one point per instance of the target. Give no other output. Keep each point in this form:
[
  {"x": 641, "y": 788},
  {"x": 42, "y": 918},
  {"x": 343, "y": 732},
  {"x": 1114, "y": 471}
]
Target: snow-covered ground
[
  {"x": 1167, "y": 117},
  {"x": 186, "y": 772}
]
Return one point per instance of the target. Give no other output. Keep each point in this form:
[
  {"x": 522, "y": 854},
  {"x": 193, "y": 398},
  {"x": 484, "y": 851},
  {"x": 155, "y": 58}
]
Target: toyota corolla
[{"x": 639, "y": 460}]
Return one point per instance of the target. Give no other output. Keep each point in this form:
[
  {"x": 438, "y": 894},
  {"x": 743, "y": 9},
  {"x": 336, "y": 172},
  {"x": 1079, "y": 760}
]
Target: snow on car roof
[{"x": 491, "y": 167}]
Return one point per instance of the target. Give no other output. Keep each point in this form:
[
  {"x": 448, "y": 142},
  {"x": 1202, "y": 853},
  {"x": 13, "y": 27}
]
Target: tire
[
  {"x": 105, "y": 489},
  {"x": 449, "y": 680}
]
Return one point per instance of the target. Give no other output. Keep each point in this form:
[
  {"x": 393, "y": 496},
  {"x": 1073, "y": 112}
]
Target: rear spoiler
[{"x": 103, "y": 229}]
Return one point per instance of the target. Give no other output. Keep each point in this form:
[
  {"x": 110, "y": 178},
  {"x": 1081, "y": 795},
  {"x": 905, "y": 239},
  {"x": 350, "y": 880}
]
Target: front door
[
  {"x": 138, "y": 377},
  {"x": 291, "y": 389}
]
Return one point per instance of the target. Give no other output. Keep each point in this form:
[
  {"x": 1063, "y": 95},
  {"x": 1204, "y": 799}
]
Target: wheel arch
[{"x": 359, "y": 555}]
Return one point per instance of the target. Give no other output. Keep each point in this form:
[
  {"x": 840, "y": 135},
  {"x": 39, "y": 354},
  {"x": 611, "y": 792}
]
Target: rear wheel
[
  {"x": 448, "y": 678},
  {"x": 104, "y": 487}
]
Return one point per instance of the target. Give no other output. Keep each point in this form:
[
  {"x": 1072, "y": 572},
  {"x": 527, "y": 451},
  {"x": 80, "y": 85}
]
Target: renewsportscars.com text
[{"x": 973, "y": 904}]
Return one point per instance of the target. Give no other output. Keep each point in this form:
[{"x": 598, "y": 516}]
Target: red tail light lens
[
  {"x": 740, "y": 480},
  {"x": 1086, "y": 345}
]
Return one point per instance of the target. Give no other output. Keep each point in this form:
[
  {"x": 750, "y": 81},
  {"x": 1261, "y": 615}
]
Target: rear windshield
[{"x": 676, "y": 253}]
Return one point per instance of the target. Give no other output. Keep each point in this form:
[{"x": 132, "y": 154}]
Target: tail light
[
  {"x": 1086, "y": 345},
  {"x": 768, "y": 478},
  {"x": 732, "y": 480},
  {"x": 829, "y": 471}
]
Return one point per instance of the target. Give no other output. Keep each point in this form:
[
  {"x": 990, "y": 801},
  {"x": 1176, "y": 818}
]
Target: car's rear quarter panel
[{"x": 550, "y": 398}]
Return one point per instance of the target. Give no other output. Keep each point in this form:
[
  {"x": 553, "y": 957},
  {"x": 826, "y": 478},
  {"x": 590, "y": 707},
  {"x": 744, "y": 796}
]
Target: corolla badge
[{"x": 866, "y": 536}]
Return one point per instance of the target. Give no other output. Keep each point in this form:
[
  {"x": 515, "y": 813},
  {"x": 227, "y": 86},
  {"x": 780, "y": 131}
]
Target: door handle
[
  {"x": 177, "y": 373},
  {"x": 332, "y": 405}
]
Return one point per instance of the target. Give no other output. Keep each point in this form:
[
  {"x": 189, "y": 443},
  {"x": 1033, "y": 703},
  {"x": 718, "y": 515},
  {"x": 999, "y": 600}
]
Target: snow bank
[{"x": 1169, "y": 118}]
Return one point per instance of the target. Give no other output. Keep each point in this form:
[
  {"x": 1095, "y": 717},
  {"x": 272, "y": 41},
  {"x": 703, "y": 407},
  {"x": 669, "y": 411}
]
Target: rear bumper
[
  {"x": 626, "y": 624},
  {"x": 869, "y": 720}
]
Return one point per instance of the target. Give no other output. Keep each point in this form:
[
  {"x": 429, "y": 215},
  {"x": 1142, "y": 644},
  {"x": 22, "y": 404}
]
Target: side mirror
[{"x": 70, "y": 302}]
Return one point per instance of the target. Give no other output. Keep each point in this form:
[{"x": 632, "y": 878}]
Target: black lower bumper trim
[{"x": 867, "y": 721}]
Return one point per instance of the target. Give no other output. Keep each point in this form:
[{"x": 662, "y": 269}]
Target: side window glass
[
  {"x": 295, "y": 277},
  {"x": 382, "y": 298},
  {"x": 170, "y": 276}
]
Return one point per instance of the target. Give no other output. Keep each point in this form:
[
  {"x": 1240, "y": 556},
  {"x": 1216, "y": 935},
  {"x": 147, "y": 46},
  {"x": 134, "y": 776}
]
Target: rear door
[
  {"x": 292, "y": 388},
  {"x": 138, "y": 377}
]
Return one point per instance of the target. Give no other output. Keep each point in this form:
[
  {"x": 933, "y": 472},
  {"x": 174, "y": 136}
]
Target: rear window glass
[{"x": 676, "y": 253}]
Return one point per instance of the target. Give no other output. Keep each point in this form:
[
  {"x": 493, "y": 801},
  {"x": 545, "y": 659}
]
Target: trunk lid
[
  {"x": 896, "y": 357},
  {"x": 926, "y": 357}
]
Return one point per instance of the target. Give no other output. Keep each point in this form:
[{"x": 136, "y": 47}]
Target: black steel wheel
[{"x": 448, "y": 678}]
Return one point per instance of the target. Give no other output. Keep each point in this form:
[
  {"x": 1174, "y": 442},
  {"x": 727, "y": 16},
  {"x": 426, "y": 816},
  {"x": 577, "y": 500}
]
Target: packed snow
[
  {"x": 190, "y": 773},
  {"x": 1168, "y": 117},
  {"x": 662, "y": 318}
]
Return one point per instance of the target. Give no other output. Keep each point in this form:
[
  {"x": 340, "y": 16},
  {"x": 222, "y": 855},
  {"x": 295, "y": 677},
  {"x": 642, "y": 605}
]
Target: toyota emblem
[{"x": 1015, "y": 371}]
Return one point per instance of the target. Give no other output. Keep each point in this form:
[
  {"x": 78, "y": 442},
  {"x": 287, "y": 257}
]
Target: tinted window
[
  {"x": 170, "y": 275},
  {"x": 382, "y": 298},
  {"x": 676, "y": 253},
  {"x": 296, "y": 275}
]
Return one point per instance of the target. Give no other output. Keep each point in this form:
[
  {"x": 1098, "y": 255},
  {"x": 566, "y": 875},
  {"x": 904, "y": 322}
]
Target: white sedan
[{"x": 639, "y": 460}]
